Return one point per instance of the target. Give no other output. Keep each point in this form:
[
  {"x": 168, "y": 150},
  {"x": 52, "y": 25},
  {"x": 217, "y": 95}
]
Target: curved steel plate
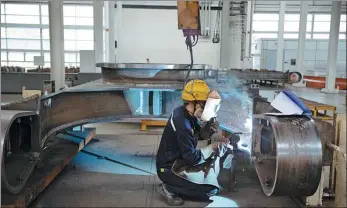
[
  {"x": 7, "y": 119},
  {"x": 67, "y": 109},
  {"x": 287, "y": 154},
  {"x": 160, "y": 66}
]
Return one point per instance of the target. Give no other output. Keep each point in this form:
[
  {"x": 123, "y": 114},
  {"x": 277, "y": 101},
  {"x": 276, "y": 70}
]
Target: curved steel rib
[{"x": 71, "y": 108}]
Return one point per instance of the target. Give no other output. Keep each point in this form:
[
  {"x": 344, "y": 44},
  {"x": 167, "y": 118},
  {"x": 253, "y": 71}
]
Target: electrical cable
[{"x": 190, "y": 46}]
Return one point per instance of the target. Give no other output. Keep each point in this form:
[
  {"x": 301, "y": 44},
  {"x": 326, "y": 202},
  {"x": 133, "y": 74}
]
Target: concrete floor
[{"x": 100, "y": 183}]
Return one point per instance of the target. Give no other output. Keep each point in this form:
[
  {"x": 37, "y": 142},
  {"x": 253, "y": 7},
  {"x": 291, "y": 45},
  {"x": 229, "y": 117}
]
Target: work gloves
[
  {"x": 209, "y": 129},
  {"x": 217, "y": 148}
]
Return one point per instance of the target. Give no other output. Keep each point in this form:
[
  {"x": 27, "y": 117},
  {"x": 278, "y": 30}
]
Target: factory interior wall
[
  {"x": 153, "y": 34},
  {"x": 316, "y": 56}
]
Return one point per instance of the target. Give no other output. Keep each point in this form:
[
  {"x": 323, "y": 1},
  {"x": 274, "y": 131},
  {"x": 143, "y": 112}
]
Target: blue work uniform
[{"x": 179, "y": 141}]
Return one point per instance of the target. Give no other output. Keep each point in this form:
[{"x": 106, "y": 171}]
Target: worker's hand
[
  {"x": 217, "y": 148},
  {"x": 225, "y": 140},
  {"x": 209, "y": 129}
]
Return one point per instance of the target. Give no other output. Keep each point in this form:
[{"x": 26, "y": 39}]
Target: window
[
  {"x": 257, "y": 36},
  {"x": 261, "y": 17},
  {"x": 3, "y": 33},
  {"x": 70, "y": 45},
  {"x": 84, "y": 45},
  {"x": 3, "y": 44},
  {"x": 265, "y": 26},
  {"x": 3, "y": 56},
  {"x": 265, "y": 22},
  {"x": 23, "y": 33},
  {"x": 17, "y": 36},
  {"x": 45, "y": 20},
  {"x": 321, "y": 27},
  {"x": 47, "y": 57},
  {"x": 46, "y": 45},
  {"x": 70, "y": 57},
  {"x": 29, "y": 56},
  {"x": 295, "y": 36},
  {"x": 44, "y": 10},
  {"x": 320, "y": 36},
  {"x": 342, "y": 36},
  {"x": 84, "y": 34},
  {"x": 78, "y": 15},
  {"x": 69, "y": 34},
  {"x": 24, "y": 44},
  {"x": 22, "y": 9},
  {"x": 20, "y": 19},
  {"x": 292, "y": 23},
  {"x": 343, "y": 23},
  {"x": 291, "y": 26},
  {"x": 15, "y": 56},
  {"x": 322, "y": 17},
  {"x": 45, "y": 34}
]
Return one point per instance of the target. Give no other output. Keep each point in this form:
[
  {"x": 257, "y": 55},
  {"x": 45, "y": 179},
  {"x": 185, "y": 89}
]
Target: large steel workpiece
[
  {"x": 287, "y": 154},
  {"x": 19, "y": 148},
  {"x": 151, "y": 75},
  {"x": 81, "y": 106},
  {"x": 27, "y": 124}
]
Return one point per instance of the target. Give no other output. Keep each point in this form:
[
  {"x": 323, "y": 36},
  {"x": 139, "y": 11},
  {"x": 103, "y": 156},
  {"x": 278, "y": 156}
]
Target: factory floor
[{"x": 95, "y": 182}]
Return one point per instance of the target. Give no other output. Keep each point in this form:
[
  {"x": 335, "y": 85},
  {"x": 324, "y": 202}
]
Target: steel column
[
  {"x": 301, "y": 43},
  {"x": 280, "y": 40},
  {"x": 118, "y": 30},
  {"x": 111, "y": 32},
  {"x": 56, "y": 33},
  {"x": 98, "y": 32},
  {"x": 332, "y": 51}
]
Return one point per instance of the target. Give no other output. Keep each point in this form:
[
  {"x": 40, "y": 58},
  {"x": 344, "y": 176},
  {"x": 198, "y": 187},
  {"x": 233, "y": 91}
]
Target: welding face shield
[{"x": 209, "y": 109}]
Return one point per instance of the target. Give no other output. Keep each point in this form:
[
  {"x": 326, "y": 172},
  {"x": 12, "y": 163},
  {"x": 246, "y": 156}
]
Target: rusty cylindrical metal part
[{"x": 287, "y": 154}]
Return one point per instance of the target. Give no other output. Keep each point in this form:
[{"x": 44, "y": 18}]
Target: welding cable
[
  {"x": 115, "y": 161},
  {"x": 190, "y": 48}
]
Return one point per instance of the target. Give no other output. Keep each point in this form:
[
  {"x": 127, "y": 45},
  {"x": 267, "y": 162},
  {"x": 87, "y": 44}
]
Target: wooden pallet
[
  {"x": 317, "y": 107},
  {"x": 146, "y": 123}
]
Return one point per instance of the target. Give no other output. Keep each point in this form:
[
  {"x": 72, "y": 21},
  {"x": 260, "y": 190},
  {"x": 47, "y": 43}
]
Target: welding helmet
[
  {"x": 211, "y": 107},
  {"x": 195, "y": 90}
]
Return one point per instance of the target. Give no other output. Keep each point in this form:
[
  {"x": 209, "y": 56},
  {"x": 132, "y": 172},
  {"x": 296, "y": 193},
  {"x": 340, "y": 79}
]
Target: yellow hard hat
[{"x": 195, "y": 90}]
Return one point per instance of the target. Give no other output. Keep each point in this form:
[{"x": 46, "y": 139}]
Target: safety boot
[{"x": 170, "y": 198}]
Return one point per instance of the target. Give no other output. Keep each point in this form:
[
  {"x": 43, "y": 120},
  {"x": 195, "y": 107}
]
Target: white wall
[{"x": 154, "y": 34}]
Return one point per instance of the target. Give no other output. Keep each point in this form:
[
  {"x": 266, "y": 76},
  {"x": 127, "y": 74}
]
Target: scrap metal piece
[{"x": 290, "y": 151}]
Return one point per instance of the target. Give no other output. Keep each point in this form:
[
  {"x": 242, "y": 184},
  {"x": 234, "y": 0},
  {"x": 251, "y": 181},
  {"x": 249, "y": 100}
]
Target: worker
[{"x": 179, "y": 142}]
